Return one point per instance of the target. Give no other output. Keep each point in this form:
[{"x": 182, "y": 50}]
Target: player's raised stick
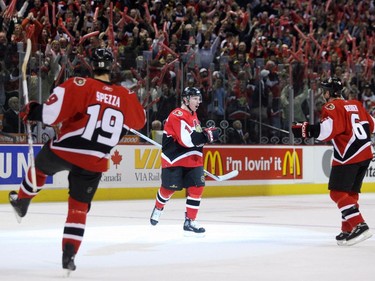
[{"x": 28, "y": 127}]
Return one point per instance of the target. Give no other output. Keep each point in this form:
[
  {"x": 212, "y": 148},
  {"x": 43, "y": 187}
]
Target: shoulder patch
[
  {"x": 177, "y": 112},
  {"x": 330, "y": 106},
  {"x": 79, "y": 81},
  {"x": 51, "y": 99}
]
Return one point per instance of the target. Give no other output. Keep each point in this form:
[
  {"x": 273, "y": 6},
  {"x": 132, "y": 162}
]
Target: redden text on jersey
[
  {"x": 351, "y": 107},
  {"x": 108, "y": 99}
]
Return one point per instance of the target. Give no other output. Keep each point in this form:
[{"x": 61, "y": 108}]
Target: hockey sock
[
  {"x": 348, "y": 205},
  {"x": 193, "y": 200},
  {"x": 162, "y": 197},
  {"x": 75, "y": 223},
  {"x": 26, "y": 189}
]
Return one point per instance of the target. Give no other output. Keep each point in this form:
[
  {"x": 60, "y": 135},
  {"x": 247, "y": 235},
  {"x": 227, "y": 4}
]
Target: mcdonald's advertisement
[{"x": 255, "y": 163}]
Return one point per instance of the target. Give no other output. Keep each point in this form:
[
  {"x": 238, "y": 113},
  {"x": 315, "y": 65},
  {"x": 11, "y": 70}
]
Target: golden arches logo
[
  {"x": 294, "y": 163},
  {"x": 212, "y": 158}
]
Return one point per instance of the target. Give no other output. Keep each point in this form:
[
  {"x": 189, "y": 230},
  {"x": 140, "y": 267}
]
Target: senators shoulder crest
[
  {"x": 178, "y": 112},
  {"x": 79, "y": 81},
  {"x": 330, "y": 106}
]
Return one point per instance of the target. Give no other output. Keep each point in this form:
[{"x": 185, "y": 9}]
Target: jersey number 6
[{"x": 358, "y": 129}]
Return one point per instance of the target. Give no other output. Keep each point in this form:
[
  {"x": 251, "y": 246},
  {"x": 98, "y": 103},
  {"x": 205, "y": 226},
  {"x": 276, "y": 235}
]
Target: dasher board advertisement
[{"x": 136, "y": 166}]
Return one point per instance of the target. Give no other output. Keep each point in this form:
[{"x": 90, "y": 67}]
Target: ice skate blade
[
  {"x": 66, "y": 272},
  {"x": 364, "y": 236},
  {"x": 18, "y": 218},
  {"x": 194, "y": 234},
  {"x": 341, "y": 243}
]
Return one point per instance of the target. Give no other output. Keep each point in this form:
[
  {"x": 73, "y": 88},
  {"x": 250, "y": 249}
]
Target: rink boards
[{"x": 134, "y": 172}]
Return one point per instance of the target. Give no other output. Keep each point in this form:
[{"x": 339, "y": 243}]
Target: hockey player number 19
[
  {"x": 111, "y": 124},
  {"x": 358, "y": 129}
]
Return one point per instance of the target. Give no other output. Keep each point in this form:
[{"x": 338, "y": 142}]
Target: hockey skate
[
  {"x": 155, "y": 215},
  {"x": 68, "y": 259},
  {"x": 191, "y": 228},
  {"x": 360, "y": 233},
  {"x": 341, "y": 238},
  {"x": 20, "y": 206}
]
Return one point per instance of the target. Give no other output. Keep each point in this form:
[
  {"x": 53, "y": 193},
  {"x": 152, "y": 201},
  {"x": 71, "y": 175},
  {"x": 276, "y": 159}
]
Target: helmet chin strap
[
  {"x": 327, "y": 99},
  {"x": 188, "y": 105}
]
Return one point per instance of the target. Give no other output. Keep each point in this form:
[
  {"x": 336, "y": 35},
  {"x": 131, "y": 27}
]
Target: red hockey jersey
[
  {"x": 178, "y": 148},
  {"x": 92, "y": 115},
  {"x": 349, "y": 126}
]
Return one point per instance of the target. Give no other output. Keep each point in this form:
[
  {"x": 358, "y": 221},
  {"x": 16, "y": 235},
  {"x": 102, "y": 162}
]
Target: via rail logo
[{"x": 14, "y": 163}]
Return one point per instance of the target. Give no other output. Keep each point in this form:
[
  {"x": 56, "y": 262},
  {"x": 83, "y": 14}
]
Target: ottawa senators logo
[
  {"x": 330, "y": 106},
  {"x": 79, "y": 81},
  {"x": 177, "y": 112}
]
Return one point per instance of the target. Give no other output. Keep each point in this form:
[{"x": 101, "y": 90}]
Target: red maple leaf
[{"x": 116, "y": 158}]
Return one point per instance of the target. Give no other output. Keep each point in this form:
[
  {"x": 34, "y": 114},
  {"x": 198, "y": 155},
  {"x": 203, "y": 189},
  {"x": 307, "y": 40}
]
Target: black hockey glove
[{"x": 27, "y": 111}]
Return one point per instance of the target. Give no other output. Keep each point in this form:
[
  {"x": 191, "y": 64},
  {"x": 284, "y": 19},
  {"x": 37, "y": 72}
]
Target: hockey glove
[
  {"x": 27, "y": 110},
  {"x": 300, "y": 130},
  {"x": 212, "y": 134}
]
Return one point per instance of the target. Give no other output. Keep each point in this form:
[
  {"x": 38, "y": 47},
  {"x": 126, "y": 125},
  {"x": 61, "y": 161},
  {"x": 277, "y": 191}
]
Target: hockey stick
[
  {"x": 224, "y": 177},
  {"x": 28, "y": 127}
]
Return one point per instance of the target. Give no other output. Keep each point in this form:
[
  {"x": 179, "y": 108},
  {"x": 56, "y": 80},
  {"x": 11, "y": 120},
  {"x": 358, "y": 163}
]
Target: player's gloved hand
[
  {"x": 27, "y": 109},
  {"x": 211, "y": 133},
  {"x": 300, "y": 130}
]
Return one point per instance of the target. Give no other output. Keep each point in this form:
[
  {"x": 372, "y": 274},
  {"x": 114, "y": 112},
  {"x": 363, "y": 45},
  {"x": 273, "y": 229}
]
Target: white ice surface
[{"x": 278, "y": 238}]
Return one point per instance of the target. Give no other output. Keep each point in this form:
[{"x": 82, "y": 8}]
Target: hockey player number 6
[
  {"x": 358, "y": 129},
  {"x": 111, "y": 125}
]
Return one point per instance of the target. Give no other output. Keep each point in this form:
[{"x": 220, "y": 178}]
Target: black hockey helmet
[
  {"x": 102, "y": 59},
  {"x": 191, "y": 91},
  {"x": 333, "y": 85}
]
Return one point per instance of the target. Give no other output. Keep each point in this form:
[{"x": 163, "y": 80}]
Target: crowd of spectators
[{"x": 250, "y": 58}]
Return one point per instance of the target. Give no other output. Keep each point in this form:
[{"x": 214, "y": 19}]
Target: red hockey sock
[
  {"x": 26, "y": 190},
  {"x": 348, "y": 205},
  {"x": 75, "y": 223},
  {"x": 193, "y": 201},
  {"x": 162, "y": 197}
]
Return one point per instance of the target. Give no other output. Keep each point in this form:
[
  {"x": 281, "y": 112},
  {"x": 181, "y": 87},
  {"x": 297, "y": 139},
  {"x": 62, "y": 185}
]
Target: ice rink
[{"x": 278, "y": 238}]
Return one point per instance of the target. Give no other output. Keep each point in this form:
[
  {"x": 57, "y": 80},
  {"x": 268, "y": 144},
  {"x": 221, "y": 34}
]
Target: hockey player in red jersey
[
  {"x": 92, "y": 115},
  {"x": 182, "y": 159},
  {"x": 349, "y": 126}
]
